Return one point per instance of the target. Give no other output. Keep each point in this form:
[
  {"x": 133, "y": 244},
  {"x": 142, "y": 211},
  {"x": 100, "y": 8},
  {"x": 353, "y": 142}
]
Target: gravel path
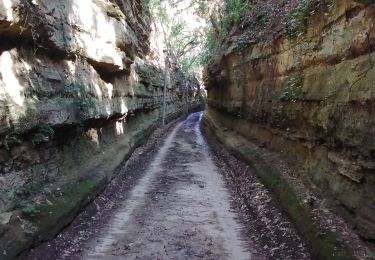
[{"x": 170, "y": 201}]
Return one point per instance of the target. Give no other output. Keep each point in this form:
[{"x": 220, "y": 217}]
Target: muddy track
[{"x": 169, "y": 202}]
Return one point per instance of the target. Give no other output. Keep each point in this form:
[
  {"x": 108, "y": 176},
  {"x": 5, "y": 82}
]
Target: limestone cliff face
[
  {"x": 306, "y": 90},
  {"x": 80, "y": 87}
]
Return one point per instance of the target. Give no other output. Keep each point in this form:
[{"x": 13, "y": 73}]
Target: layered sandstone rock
[
  {"x": 306, "y": 91},
  {"x": 80, "y": 87}
]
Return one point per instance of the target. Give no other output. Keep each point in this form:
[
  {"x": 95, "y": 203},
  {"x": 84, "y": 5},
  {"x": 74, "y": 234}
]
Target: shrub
[
  {"x": 42, "y": 133},
  {"x": 30, "y": 210}
]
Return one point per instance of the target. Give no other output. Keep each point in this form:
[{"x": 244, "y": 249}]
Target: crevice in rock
[
  {"x": 13, "y": 37},
  {"x": 101, "y": 122},
  {"x": 109, "y": 71}
]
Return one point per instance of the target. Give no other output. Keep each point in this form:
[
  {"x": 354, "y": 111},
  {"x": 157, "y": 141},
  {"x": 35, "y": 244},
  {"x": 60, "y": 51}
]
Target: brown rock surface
[
  {"x": 306, "y": 93},
  {"x": 80, "y": 87}
]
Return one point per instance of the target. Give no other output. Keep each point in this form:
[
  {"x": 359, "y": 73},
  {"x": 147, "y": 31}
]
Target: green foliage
[
  {"x": 186, "y": 64},
  {"x": 230, "y": 13},
  {"x": 183, "y": 36},
  {"x": 212, "y": 43},
  {"x": 195, "y": 45},
  {"x": 202, "y": 9},
  {"x": 235, "y": 9},
  {"x": 159, "y": 11},
  {"x": 30, "y": 210},
  {"x": 184, "y": 42},
  {"x": 296, "y": 23},
  {"x": 42, "y": 133},
  {"x": 28, "y": 189},
  {"x": 177, "y": 29}
]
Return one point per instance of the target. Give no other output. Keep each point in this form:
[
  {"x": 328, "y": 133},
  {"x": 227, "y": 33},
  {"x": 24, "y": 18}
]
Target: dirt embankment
[{"x": 305, "y": 93}]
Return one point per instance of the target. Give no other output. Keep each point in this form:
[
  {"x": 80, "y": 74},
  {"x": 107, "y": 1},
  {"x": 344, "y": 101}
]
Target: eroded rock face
[
  {"x": 80, "y": 87},
  {"x": 309, "y": 95}
]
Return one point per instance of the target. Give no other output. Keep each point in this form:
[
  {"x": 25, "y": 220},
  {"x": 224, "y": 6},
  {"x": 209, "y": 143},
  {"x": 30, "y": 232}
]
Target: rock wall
[
  {"x": 299, "y": 82},
  {"x": 81, "y": 85}
]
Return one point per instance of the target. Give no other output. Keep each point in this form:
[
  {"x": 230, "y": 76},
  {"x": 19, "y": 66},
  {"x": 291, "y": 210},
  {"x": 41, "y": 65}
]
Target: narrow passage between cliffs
[{"x": 172, "y": 204}]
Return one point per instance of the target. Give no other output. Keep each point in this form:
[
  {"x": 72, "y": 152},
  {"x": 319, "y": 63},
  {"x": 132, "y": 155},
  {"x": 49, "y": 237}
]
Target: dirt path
[
  {"x": 178, "y": 210},
  {"x": 171, "y": 202}
]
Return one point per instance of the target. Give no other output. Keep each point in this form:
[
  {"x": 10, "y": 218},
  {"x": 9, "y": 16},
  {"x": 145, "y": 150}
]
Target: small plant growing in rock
[
  {"x": 43, "y": 133},
  {"x": 28, "y": 189},
  {"x": 30, "y": 210}
]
